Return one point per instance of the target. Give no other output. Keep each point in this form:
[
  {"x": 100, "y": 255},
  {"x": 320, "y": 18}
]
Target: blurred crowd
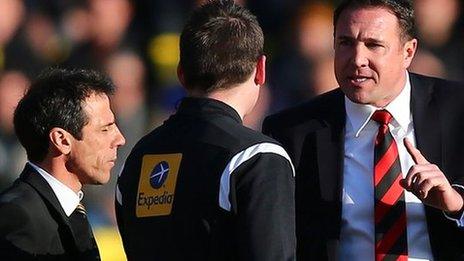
[{"x": 135, "y": 42}]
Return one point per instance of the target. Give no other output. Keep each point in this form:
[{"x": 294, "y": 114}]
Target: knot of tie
[{"x": 383, "y": 117}]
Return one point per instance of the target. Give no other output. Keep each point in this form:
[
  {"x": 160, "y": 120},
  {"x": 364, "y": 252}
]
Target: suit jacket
[
  {"x": 313, "y": 134},
  {"x": 33, "y": 224}
]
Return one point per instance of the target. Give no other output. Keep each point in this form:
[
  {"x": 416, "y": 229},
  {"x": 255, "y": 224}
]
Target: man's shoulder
[
  {"x": 21, "y": 195},
  {"x": 20, "y": 205},
  {"x": 322, "y": 107},
  {"x": 28, "y": 227},
  {"x": 445, "y": 93},
  {"x": 250, "y": 136},
  {"x": 219, "y": 131},
  {"x": 436, "y": 84}
]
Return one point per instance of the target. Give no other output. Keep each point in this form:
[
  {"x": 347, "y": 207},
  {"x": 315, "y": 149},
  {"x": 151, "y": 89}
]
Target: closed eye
[
  {"x": 108, "y": 127},
  {"x": 373, "y": 45}
]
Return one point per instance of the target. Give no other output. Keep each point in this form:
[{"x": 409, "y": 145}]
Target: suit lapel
[
  {"x": 330, "y": 151},
  {"x": 330, "y": 161},
  {"x": 425, "y": 113},
  {"x": 30, "y": 176},
  {"x": 428, "y": 134}
]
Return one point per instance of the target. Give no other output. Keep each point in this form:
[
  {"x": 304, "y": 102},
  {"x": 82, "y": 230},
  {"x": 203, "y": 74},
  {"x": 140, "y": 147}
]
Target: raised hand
[{"x": 428, "y": 183}]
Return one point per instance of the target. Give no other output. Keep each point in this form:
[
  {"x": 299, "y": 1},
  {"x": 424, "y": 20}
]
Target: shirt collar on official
[
  {"x": 358, "y": 115},
  {"x": 67, "y": 197},
  {"x": 200, "y": 106}
]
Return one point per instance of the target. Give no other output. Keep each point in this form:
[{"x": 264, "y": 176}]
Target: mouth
[
  {"x": 111, "y": 164},
  {"x": 358, "y": 80},
  {"x": 361, "y": 79}
]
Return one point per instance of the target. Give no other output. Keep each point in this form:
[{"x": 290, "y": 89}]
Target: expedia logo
[
  {"x": 159, "y": 175},
  {"x": 157, "y": 184}
]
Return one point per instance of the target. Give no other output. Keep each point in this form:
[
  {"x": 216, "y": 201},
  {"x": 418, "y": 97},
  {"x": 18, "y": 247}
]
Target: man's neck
[
  {"x": 59, "y": 171},
  {"x": 230, "y": 99},
  {"x": 238, "y": 97}
]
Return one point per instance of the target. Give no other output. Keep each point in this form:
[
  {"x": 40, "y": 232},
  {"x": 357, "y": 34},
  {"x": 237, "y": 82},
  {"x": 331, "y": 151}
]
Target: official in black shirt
[{"x": 202, "y": 186}]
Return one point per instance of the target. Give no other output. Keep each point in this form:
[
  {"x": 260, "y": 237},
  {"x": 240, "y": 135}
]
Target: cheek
[
  {"x": 341, "y": 60},
  {"x": 387, "y": 72},
  {"x": 91, "y": 157},
  {"x": 338, "y": 58},
  {"x": 101, "y": 161},
  {"x": 392, "y": 62},
  {"x": 338, "y": 65},
  {"x": 97, "y": 156}
]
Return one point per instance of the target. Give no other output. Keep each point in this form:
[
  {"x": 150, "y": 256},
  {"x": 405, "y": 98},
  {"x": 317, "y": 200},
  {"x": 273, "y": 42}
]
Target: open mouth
[
  {"x": 362, "y": 79},
  {"x": 356, "y": 80}
]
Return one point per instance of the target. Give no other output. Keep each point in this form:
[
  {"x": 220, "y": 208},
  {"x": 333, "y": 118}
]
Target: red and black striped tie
[{"x": 390, "y": 211}]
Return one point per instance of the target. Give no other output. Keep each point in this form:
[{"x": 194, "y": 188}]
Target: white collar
[
  {"x": 67, "y": 197},
  {"x": 359, "y": 115}
]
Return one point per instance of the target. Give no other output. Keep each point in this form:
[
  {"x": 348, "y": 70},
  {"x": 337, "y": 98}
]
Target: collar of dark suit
[
  {"x": 30, "y": 176},
  {"x": 426, "y": 118},
  {"x": 334, "y": 112}
]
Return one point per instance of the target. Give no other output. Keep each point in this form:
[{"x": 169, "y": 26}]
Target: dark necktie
[
  {"x": 82, "y": 231},
  {"x": 390, "y": 211}
]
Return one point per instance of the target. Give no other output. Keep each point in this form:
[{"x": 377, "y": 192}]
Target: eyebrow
[
  {"x": 109, "y": 124},
  {"x": 369, "y": 40}
]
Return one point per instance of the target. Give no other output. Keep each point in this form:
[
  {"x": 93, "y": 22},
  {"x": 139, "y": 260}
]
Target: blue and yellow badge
[{"x": 157, "y": 184}]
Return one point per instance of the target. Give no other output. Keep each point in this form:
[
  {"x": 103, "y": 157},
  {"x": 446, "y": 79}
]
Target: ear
[
  {"x": 260, "y": 76},
  {"x": 60, "y": 140},
  {"x": 180, "y": 74},
  {"x": 409, "y": 51}
]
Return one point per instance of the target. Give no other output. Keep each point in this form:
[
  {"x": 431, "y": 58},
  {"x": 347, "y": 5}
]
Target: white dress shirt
[
  {"x": 358, "y": 230},
  {"x": 67, "y": 197}
]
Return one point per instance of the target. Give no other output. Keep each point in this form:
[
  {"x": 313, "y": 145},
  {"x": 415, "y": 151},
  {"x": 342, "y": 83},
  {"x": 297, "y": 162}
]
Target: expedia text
[{"x": 150, "y": 201}]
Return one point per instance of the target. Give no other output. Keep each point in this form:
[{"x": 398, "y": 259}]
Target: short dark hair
[
  {"x": 219, "y": 46},
  {"x": 402, "y": 9},
  {"x": 55, "y": 99}
]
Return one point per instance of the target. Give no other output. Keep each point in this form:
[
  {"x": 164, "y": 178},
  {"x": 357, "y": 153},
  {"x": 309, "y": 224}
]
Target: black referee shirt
[{"x": 204, "y": 187}]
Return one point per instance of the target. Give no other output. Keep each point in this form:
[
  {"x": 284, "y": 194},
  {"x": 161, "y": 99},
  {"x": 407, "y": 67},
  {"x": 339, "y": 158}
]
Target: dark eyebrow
[
  {"x": 372, "y": 40},
  {"x": 367, "y": 40},
  {"x": 343, "y": 37},
  {"x": 109, "y": 124}
]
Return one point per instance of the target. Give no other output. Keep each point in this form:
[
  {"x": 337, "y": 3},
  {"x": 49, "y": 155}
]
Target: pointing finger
[{"x": 415, "y": 153}]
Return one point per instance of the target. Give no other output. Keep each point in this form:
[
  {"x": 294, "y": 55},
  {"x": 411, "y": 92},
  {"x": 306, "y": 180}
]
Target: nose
[
  {"x": 360, "y": 58},
  {"x": 119, "y": 139}
]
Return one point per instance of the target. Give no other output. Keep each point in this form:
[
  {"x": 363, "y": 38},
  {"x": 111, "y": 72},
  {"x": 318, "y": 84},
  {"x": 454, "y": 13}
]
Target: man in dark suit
[
  {"x": 68, "y": 130},
  {"x": 345, "y": 209}
]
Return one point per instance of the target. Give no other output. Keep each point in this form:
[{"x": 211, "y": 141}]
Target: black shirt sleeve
[{"x": 264, "y": 205}]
